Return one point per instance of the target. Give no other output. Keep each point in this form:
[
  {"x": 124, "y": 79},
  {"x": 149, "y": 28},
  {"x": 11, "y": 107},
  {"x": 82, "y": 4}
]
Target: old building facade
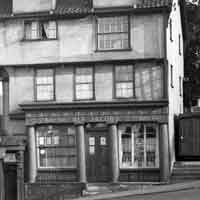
[{"x": 89, "y": 91}]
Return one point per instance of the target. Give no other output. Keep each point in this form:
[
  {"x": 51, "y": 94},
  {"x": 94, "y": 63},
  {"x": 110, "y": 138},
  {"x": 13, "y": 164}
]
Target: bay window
[
  {"x": 138, "y": 144},
  {"x": 56, "y": 146},
  {"x": 113, "y": 33}
]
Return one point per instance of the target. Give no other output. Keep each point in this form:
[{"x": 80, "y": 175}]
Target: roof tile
[{"x": 64, "y": 7}]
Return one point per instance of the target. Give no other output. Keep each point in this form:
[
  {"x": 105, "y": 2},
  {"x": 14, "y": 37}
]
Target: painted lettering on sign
[{"x": 10, "y": 157}]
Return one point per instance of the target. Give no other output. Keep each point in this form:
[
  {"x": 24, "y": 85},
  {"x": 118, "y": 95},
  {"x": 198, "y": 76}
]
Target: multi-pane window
[
  {"x": 112, "y": 33},
  {"x": 84, "y": 83},
  {"x": 44, "y": 84},
  {"x": 124, "y": 81},
  {"x": 148, "y": 82},
  {"x": 56, "y": 146},
  {"x": 139, "y": 145},
  {"x": 40, "y": 30}
]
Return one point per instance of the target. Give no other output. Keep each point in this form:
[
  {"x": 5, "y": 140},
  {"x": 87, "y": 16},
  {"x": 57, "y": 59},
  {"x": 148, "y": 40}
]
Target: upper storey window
[
  {"x": 84, "y": 83},
  {"x": 124, "y": 81},
  {"x": 44, "y": 84},
  {"x": 113, "y": 33},
  {"x": 40, "y": 30}
]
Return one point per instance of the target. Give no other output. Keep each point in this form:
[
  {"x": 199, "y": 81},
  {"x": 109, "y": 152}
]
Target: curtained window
[{"x": 56, "y": 146}]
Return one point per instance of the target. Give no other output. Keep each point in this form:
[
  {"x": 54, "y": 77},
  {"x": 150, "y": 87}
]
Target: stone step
[
  {"x": 186, "y": 170},
  {"x": 99, "y": 188}
]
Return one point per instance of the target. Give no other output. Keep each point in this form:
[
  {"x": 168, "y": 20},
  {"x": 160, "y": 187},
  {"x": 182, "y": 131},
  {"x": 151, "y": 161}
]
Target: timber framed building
[{"x": 89, "y": 92}]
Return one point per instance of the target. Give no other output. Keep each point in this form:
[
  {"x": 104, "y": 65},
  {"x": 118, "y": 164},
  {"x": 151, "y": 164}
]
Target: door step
[
  {"x": 185, "y": 171},
  {"x": 100, "y": 188}
]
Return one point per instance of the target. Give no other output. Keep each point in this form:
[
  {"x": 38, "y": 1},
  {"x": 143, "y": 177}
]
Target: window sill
[
  {"x": 38, "y": 40},
  {"x": 52, "y": 169},
  {"x": 139, "y": 169},
  {"x": 84, "y": 100},
  {"x": 45, "y": 101},
  {"x": 112, "y": 50}
]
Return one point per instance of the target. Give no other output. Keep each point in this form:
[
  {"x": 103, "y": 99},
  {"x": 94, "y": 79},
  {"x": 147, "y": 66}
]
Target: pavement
[{"x": 126, "y": 190}]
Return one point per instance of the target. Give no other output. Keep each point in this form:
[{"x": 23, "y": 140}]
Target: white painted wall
[
  {"x": 113, "y": 3},
  {"x": 25, "y": 6},
  {"x": 173, "y": 57}
]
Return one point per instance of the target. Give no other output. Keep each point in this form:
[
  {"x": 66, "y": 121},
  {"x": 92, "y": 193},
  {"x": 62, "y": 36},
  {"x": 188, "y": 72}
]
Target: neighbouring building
[{"x": 89, "y": 91}]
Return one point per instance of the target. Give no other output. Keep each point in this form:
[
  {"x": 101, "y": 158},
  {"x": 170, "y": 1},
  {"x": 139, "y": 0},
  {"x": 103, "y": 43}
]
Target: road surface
[{"x": 192, "y": 194}]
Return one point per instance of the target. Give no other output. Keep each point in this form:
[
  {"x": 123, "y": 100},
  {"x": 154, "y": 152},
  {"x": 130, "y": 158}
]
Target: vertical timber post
[
  {"x": 32, "y": 154},
  {"x": 164, "y": 153},
  {"x": 114, "y": 152},
  {"x": 81, "y": 153}
]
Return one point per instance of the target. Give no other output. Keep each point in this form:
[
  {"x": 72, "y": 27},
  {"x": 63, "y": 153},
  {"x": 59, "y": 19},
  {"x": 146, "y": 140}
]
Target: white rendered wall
[{"x": 177, "y": 61}]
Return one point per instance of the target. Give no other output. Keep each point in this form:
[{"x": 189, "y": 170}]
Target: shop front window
[
  {"x": 139, "y": 145},
  {"x": 56, "y": 146}
]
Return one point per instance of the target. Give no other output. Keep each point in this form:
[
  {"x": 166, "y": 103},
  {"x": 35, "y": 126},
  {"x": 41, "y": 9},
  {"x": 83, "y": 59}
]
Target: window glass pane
[
  {"x": 124, "y": 81},
  {"x": 124, "y": 90},
  {"x": 84, "y": 83},
  {"x": 45, "y": 92},
  {"x": 127, "y": 147},
  {"x": 113, "y": 41},
  {"x": 1, "y": 97},
  {"x": 56, "y": 146},
  {"x": 113, "y": 33},
  {"x": 35, "y": 32},
  {"x": 151, "y": 145},
  {"x": 44, "y": 84},
  {"x": 148, "y": 82},
  {"x": 139, "y": 145},
  {"x": 51, "y": 29},
  {"x": 40, "y": 30}
]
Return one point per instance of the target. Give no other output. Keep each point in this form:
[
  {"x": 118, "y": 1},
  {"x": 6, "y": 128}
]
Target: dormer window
[
  {"x": 113, "y": 33},
  {"x": 40, "y": 30}
]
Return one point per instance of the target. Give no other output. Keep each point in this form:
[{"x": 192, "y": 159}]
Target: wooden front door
[
  {"x": 10, "y": 172},
  {"x": 189, "y": 139},
  {"x": 97, "y": 154}
]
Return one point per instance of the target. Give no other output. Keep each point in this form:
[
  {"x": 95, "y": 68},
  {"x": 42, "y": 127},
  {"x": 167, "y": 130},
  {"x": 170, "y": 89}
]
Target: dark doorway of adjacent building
[
  {"x": 97, "y": 154},
  {"x": 188, "y": 138},
  {"x": 10, "y": 172}
]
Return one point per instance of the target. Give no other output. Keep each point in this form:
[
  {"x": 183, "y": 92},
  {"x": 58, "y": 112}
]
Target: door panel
[
  {"x": 189, "y": 139},
  {"x": 97, "y": 157}
]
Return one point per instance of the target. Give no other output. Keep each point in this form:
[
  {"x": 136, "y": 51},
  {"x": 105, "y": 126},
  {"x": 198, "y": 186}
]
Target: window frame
[
  {"x": 97, "y": 34},
  {"x": 35, "y": 85},
  {"x": 179, "y": 44},
  {"x": 172, "y": 76},
  {"x": 38, "y": 147},
  {"x": 115, "y": 81},
  {"x": 180, "y": 86},
  {"x": 170, "y": 30},
  {"x": 93, "y": 83},
  {"x": 39, "y": 21},
  {"x": 121, "y": 166}
]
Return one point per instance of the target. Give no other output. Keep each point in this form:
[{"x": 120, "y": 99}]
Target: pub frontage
[{"x": 98, "y": 142}]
